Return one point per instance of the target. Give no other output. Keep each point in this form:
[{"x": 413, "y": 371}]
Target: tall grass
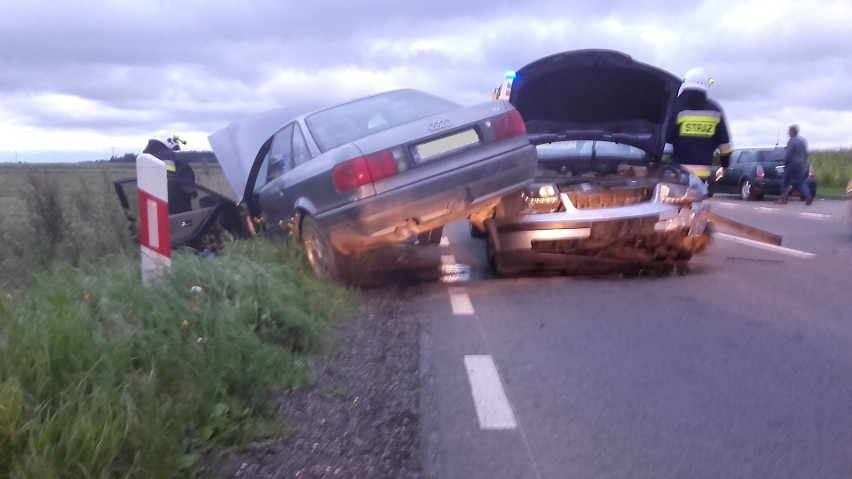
[
  {"x": 100, "y": 377},
  {"x": 833, "y": 168},
  {"x": 58, "y": 218}
]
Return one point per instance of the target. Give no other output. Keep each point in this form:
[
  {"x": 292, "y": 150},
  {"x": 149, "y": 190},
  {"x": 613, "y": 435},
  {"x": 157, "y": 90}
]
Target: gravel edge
[{"x": 362, "y": 418}]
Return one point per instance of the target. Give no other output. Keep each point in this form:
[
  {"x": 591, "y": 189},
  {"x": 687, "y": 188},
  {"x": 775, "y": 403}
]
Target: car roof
[{"x": 761, "y": 148}]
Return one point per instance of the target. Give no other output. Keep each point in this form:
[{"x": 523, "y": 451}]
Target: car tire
[
  {"x": 747, "y": 192},
  {"x": 494, "y": 261},
  {"x": 326, "y": 261},
  {"x": 477, "y": 231},
  {"x": 432, "y": 236}
]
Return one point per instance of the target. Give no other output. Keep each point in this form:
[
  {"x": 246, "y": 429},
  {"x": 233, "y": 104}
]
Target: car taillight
[
  {"x": 508, "y": 125},
  {"x": 760, "y": 173},
  {"x": 364, "y": 170}
]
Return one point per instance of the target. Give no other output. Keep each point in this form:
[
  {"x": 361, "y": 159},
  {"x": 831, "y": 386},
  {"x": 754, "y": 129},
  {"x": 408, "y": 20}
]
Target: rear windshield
[
  {"x": 772, "y": 156},
  {"x": 348, "y": 122}
]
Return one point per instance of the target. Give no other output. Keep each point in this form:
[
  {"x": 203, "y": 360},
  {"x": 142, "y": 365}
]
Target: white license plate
[{"x": 448, "y": 143}]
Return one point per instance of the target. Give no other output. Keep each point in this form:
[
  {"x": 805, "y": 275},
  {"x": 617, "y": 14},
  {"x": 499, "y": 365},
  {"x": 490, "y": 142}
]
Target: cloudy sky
[{"x": 82, "y": 79}]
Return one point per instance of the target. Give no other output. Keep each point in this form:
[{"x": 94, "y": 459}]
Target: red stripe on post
[{"x": 154, "y": 224}]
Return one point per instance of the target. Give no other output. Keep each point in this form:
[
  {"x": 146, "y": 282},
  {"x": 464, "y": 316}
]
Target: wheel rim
[
  {"x": 316, "y": 252},
  {"x": 746, "y": 190}
]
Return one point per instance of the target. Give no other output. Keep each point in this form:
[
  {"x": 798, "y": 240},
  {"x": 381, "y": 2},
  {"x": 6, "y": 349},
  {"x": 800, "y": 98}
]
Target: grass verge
[{"x": 100, "y": 377}]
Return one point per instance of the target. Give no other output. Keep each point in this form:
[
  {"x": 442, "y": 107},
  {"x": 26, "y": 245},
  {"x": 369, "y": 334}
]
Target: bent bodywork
[{"x": 602, "y": 198}]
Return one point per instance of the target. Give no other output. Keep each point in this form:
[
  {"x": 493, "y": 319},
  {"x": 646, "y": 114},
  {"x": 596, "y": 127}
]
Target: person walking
[
  {"x": 796, "y": 168},
  {"x": 698, "y": 127}
]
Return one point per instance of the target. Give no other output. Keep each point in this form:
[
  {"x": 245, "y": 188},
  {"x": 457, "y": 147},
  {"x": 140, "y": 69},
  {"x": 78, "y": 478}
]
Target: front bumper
[{"x": 650, "y": 232}]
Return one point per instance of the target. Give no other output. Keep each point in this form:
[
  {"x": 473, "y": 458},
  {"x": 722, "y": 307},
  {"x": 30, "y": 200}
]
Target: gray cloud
[{"x": 141, "y": 67}]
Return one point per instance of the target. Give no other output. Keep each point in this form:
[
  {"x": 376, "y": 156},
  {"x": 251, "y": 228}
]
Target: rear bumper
[
  {"x": 397, "y": 215},
  {"x": 634, "y": 234}
]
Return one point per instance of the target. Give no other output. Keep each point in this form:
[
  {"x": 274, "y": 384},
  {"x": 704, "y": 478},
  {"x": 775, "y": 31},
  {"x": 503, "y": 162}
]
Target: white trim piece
[
  {"x": 460, "y": 302},
  {"x": 489, "y": 397},
  {"x": 766, "y": 246}
]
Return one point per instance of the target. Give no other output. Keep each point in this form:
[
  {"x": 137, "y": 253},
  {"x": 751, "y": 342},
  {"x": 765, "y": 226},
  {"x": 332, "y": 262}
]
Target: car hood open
[
  {"x": 595, "y": 95},
  {"x": 236, "y": 146}
]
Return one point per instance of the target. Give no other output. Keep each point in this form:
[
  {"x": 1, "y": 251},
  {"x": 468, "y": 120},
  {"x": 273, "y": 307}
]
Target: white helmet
[
  {"x": 173, "y": 142},
  {"x": 696, "y": 79}
]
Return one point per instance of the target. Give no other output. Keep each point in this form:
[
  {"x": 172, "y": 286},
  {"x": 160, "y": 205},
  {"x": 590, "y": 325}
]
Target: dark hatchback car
[
  {"x": 753, "y": 173},
  {"x": 376, "y": 170},
  {"x": 602, "y": 199}
]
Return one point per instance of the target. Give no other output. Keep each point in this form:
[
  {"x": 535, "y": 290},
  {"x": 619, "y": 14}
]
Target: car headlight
[
  {"x": 541, "y": 196},
  {"x": 674, "y": 193}
]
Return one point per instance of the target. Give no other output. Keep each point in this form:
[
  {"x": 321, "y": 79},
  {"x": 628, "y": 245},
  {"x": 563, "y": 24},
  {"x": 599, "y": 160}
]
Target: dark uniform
[
  {"x": 180, "y": 193},
  {"x": 696, "y": 130}
]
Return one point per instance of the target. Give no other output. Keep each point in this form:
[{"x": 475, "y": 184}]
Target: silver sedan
[{"x": 379, "y": 169}]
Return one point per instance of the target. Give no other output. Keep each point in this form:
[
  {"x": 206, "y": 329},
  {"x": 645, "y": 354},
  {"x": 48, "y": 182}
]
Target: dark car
[
  {"x": 602, "y": 200},
  {"x": 752, "y": 173},
  {"x": 376, "y": 170}
]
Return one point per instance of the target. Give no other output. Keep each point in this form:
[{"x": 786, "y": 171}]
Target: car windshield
[
  {"x": 348, "y": 122},
  {"x": 584, "y": 148}
]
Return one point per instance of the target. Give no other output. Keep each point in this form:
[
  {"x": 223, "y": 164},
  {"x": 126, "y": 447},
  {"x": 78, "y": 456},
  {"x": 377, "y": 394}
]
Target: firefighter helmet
[
  {"x": 172, "y": 142},
  {"x": 696, "y": 79}
]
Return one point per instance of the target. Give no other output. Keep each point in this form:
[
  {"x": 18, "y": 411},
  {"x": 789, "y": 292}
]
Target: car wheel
[
  {"x": 747, "y": 192},
  {"x": 477, "y": 231},
  {"x": 494, "y": 261},
  {"x": 432, "y": 236},
  {"x": 326, "y": 262}
]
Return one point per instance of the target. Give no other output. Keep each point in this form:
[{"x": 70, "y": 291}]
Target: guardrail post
[{"x": 154, "y": 234}]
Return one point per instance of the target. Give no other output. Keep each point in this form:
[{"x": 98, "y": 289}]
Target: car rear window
[{"x": 345, "y": 123}]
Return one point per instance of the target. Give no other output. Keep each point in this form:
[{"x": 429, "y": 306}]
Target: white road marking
[
  {"x": 724, "y": 203},
  {"x": 444, "y": 241},
  {"x": 766, "y": 246},
  {"x": 808, "y": 214},
  {"x": 448, "y": 259},
  {"x": 766, "y": 208},
  {"x": 489, "y": 397},
  {"x": 460, "y": 302}
]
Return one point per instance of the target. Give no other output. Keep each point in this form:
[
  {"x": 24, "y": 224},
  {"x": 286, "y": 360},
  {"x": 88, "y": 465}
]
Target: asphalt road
[{"x": 740, "y": 369}]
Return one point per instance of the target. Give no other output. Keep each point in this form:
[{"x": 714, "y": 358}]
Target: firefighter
[
  {"x": 698, "y": 126},
  {"x": 180, "y": 193}
]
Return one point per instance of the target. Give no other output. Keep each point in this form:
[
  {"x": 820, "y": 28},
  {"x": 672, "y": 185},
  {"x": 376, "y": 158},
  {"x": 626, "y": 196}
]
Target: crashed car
[
  {"x": 377, "y": 170},
  {"x": 602, "y": 200},
  {"x": 213, "y": 219}
]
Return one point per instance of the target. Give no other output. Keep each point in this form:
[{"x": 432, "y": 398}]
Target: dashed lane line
[
  {"x": 448, "y": 259},
  {"x": 808, "y": 214},
  {"x": 444, "y": 241},
  {"x": 460, "y": 302},
  {"x": 766, "y": 246},
  {"x": 489, "y": 397}
]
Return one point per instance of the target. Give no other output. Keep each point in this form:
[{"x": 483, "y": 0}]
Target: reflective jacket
[{"x": 697, "y": 129}]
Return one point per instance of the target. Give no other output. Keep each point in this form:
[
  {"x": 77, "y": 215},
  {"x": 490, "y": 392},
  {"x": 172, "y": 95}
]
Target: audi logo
[{"x": 437, "y": 125}]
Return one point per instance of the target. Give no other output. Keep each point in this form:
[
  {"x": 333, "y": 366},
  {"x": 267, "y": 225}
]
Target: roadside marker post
[{"x": 154, "y": 235}]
